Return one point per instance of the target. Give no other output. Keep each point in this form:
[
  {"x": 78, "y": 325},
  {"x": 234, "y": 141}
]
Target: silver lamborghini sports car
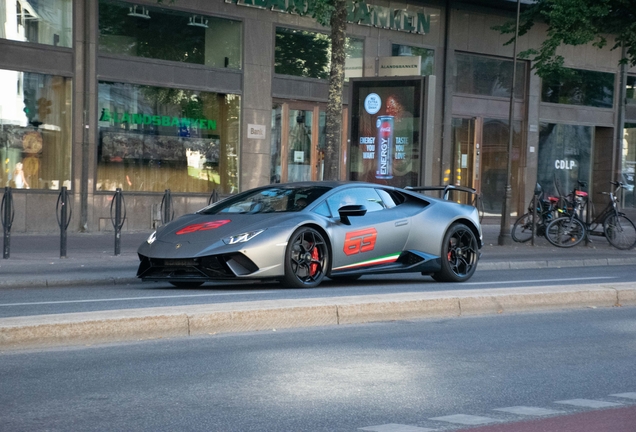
[{"x": 300, "y": 233}]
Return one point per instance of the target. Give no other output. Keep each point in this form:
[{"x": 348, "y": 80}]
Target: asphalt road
[
  {"x": 39, "y": 301},
  {"x": 396, "y": 376}
]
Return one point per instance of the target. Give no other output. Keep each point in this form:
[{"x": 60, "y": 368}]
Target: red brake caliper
[{"x": 313, "y": 267}]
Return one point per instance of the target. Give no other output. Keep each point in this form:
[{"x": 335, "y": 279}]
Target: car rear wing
[
  {"x": 446, "y": 189},
  {"x": 472, "y": 198}
]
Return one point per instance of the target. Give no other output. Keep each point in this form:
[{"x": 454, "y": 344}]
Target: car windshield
[{"x": 275, "y": 199}]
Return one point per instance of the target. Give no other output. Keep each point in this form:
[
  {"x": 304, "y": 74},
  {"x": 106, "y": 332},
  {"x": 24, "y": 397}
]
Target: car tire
[
  {"x": 460, "y": 254},
  {"x": 306, "y": 259},
  {"x": 186, "y": 284}
]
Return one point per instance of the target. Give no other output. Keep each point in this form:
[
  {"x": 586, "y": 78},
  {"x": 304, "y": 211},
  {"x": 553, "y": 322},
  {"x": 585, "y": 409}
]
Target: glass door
[
  {"x": 298, "y": 140},
  {"x": 480, "y": 160}
]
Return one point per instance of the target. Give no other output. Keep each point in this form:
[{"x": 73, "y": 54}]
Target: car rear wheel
[
  {"x": 306, "y": 259},
  {"x": 187, "y": 284},
  {"x": 460, "y": 254}
]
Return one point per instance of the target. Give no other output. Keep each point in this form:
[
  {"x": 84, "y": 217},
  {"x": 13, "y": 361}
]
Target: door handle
[{"x": 401, "y": 222}]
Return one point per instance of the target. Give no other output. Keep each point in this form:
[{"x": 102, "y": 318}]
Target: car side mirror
[{"x": 348, "y": 211}]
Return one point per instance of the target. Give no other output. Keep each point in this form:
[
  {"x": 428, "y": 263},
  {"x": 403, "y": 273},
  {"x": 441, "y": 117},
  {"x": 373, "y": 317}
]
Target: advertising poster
[{"x": 385, "y": 131}]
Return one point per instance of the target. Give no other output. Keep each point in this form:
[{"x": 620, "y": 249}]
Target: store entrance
[
  {"x": 480, "y": 152},
  {"x": 298, "y": 141}
]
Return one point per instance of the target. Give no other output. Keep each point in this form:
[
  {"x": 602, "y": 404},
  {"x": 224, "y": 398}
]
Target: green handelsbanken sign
[{"x": 155, "y": 120}]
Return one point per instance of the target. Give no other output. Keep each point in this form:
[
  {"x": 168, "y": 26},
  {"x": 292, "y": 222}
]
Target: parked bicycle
[
  {"x": 570, "y": 230},
  {"x": 546, "y": 212}
]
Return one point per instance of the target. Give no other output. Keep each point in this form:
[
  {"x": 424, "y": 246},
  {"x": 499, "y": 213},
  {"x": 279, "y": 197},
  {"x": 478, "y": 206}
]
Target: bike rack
[
  {"x": 117, "y": 220},
  {"x": 166, "y": 208},
  {"x": 7, "y": 213},
  {"x": 214, "y": 197},
  {"x": 63, "y": 212}
]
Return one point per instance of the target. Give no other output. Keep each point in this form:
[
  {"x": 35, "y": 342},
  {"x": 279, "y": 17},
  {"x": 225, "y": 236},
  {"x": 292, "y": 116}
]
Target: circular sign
[{"x": 372, "y": 103}]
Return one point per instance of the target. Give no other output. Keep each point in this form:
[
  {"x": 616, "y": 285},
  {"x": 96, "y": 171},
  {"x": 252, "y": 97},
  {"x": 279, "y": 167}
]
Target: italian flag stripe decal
[{"x": 382, "y": 260}]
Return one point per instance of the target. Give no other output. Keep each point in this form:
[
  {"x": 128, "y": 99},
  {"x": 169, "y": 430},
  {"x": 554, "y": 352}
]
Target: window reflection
[
  {"x": 308, "y": 54},
  {"x": 35, "y": 130},
  {"x": 630, "y": 91},
  {"x": 488, "y": 76},
  {"x": 579, "y": 87},
  {"x": 37, "y": 21},
  {"x": 154, "y": 138},
  {"x": 149, "y": 32},
  {"x": 427, "y": 55},
  {"x": 628, "y": 171}
]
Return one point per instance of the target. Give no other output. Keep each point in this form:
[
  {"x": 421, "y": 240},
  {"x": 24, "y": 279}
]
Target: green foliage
[{"x": 576, "y": 22}]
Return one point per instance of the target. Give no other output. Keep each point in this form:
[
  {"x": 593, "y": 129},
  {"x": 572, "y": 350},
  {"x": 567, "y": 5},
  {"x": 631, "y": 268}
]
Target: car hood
[{"x": 201, "y": 228}]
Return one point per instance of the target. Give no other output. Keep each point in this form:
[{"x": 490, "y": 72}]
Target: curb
[
  {"x": 198, "y": 320},
  {"x": 539, "y": 264}
]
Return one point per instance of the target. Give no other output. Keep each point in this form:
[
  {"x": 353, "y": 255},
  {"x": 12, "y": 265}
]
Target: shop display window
[
  {"x": 630, "y": 91},
  {"x": 628, "y": 168},
  {"x": 308, "y": 54},
  {"x": 579, "y": 87},
  {"x": 488, "y": 76},
  {"x": 427, "y": 55},
  {"x": 45, "y": 22},
  {"x": 152, "y": 32},
  {"x": 155, "y": 138},
  {"x": 35, "y": 130},
  {"x": 564, "y": 156}
]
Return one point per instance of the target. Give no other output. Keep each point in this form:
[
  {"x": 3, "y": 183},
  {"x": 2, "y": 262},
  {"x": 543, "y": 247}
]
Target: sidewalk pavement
[
  {"x": 90, "y": 258},
  {"x": 35, "y": 261}
]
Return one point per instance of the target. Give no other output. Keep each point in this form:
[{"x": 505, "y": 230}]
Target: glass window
[
  {"x": 35, "y": 130},
  {"x": 367, "y": 197},
  {"x": 580, "y": 87},
  {"x": 276, "y": 143},
  {"x": 46, "y": 22},
  {"x": 155, "y": 138},
  {"x": 564, "y": 156},
  {"x": 307, "y": 54},
  {"x": 274, "y": 199},
  {"x": 163, "y": 34},
  {"x": 488, "y": 76},
  {"x": 630, "y": 93},
  {"x": 427, "y": 55},
  {"x": 628, "y": 170}
]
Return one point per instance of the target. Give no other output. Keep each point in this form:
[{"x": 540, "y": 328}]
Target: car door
[{"x": 375, "y": 239}]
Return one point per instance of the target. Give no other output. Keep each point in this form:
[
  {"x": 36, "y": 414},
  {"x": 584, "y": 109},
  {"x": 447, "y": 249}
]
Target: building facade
[{"x": 208, "y": 98}]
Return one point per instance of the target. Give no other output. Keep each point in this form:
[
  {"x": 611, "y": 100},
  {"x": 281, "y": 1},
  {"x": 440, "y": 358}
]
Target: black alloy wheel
[
  {"x": 460, "y": 254},
  {"x": 306, "y": 259}
]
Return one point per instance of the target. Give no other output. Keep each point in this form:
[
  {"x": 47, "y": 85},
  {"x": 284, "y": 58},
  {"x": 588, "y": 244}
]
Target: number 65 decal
[{"x": 360, "y": 241}]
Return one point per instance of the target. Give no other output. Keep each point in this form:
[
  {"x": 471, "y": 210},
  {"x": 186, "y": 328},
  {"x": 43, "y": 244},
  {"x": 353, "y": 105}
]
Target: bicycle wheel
[
  {"x": 565, "y": 232},
  {"x": 619, "y": 231},
  {"x": 522, "y": 229}
]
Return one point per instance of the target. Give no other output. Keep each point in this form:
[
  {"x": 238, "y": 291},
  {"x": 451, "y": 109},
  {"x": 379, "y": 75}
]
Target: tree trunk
[{"x": 336, "y": 83}]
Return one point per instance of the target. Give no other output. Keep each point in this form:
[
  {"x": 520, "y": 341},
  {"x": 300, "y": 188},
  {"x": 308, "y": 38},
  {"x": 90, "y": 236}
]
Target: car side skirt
[{"x": 405, "y": 262}]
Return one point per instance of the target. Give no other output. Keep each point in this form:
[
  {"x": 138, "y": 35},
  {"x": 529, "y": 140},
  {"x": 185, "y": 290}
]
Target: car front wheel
[
  {"x": 460, "y": 254},
  {"x": 306, "y": 259}
]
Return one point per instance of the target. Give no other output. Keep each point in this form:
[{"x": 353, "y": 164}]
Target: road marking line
[
  {"x": 588, "y": 403},
  {"x": 133, "y": 298},
  {"x": 465, "y": 419},
  {"x": 526, "y": 410},
  {"x": 394, "y": 427},
  {"x": 540, "y": 280},
  {"x": 625, "y": 395}
]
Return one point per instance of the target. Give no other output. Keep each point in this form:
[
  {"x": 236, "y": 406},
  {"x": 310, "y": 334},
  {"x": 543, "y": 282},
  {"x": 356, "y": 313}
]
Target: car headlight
[
  {"x": 152, "y": 238},
  {"x": 242, "y": 238}
]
